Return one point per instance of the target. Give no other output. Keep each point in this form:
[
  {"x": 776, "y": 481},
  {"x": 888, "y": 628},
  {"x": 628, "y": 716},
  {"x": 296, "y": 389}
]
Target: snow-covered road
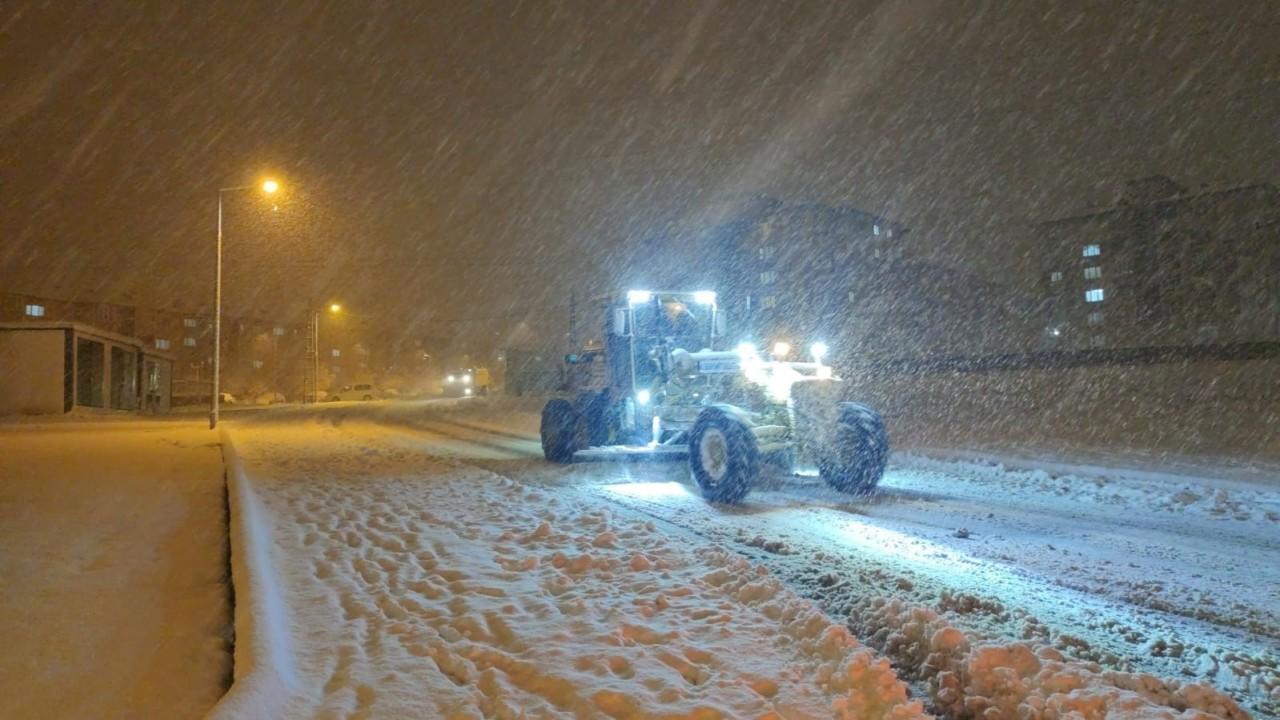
[
  {"x": 1138, "y": 569},
  {"x": 1171, "y": 576}
]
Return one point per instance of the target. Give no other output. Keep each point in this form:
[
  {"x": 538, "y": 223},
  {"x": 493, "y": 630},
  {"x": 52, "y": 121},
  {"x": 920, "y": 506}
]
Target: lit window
[
  {"x": 769, "y": 301},
  {"x": 888, "y": 233},
  {"x": 1092, "y": 273},
  {"x": 35, "y": 311},
  {"x": 336, "y": 352},
  {"x": 162, "y": 344},
  {"x": 257, "y": 364},
  {"x": 1098, "y": 341},
  {"x": 1092, "y": 250},
  {"x": 875, "y": 229},
  {"x": 853, "y": 297},
  {"x": 1094, "y": 295},
  {"x": 1096, "y": 317},
  {"x": 1055, "y": 276},
  {"x": 189, "y": 342},
  {"x": 768, "y": 276},
  {"x": 279, "y": 331},
  {"x": 189, "y": 322},
  {"x": 766, "y": 252}
]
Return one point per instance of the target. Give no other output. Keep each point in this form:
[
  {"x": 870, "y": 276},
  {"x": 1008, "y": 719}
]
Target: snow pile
[
  {"x": 1028, "y": 681},
  {"x": 1150, "y": 489},
  {"x": 419, "y": 588}
]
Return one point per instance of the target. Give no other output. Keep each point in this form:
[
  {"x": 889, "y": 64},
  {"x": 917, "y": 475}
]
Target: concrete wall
[
  {"x": 1198, "y": 407},
  {"x": 32, "y": 365}
]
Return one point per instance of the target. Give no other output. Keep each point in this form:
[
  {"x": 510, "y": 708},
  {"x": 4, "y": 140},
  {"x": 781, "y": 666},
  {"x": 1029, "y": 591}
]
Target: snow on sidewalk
[
  {"x": 113, "y": 595},
  {"x": 419, "y": 588}
]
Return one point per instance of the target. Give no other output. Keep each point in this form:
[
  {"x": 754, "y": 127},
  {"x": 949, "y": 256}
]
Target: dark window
[
  {"x": 124, "y": 379},
  {"x": 89, "y": 371}
]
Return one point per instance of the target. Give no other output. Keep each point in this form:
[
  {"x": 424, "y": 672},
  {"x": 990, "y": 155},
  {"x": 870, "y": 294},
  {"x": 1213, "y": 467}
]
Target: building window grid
[
  {"x": 1096, "y": 317},
  {"x": 279, "y": 331},
  {"x": 1092, "y": 251},
  {"x": 1055, "y": 276},
  {"x": 189, "y": 322},
  {"x": 162, "y": 344},
  {"x": 1094, "y": 295},
  {"x": 35, "y": 310},
  {"x": 1092, "y": 273},
  {"x": 189, "y": 341}
]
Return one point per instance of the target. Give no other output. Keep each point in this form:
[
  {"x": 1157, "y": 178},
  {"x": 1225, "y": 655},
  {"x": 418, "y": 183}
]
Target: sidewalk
[{"x": 113, "y": 595}]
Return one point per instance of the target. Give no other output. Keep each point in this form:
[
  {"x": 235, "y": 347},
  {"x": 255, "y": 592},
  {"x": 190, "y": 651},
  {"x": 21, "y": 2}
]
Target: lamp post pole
[
  {"x": 217, "y": 322},
  {"x": 268, "y": 187},
  {"x": 315, "y": 357}
]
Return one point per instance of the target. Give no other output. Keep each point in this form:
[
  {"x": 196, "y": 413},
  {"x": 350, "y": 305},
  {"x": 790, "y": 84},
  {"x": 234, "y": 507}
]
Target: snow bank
[
  {"x": 423, "y": 588},
  {"x": 1028, "y": 681},
  {"x": 265, "y": 674}
]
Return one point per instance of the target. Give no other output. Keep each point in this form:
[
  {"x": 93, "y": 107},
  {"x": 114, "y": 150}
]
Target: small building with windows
[{"x": 55, "y": 367}]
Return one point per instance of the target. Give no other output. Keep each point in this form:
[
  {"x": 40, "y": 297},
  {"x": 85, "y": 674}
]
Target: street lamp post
[
  {"x": 334, "y": 309},
  {"x": 268, "y": 187}
]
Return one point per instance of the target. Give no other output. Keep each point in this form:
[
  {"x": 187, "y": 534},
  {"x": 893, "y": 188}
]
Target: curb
[{"x": 265, "y": 674}]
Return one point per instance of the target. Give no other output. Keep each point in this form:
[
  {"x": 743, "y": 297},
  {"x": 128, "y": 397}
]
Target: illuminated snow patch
[{"x": 650, "y": 490}]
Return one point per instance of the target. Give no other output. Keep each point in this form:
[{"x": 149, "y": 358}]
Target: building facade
[
  {"x": 55, "y": 367},
  {"x": 258, "y": 356},
  {"x": 802, "y": 273},
  {"x": 1162, "y": 266}
]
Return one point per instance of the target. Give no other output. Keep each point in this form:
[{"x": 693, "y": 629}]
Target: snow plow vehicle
[{"x": 664, "y": 384}]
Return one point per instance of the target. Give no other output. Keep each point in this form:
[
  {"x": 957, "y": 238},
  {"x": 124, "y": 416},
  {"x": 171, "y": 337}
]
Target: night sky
[{"x": 468, "y": 160}]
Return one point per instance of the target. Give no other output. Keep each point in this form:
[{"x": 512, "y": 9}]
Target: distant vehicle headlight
[
  {"x": 818, "y": 350},
  {"x": 466, "y": 379},
  {"x": 450, "y": 378},
  {"x": 781, "y": 349},
  {"x": 467, "y": 391}
]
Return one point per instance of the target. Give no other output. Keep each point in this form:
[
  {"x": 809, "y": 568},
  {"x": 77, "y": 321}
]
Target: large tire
[
  {"x": 723, "y": 456},
  {"x": 858, "y": 452},
  {"x": 559, "y": 430}
]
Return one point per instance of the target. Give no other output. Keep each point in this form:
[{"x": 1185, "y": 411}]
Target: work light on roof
[
  {"x": 705, "y": 297},
  {"x": 639, "y": 297}
]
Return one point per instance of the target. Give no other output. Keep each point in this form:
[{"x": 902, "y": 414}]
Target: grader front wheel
[{"x": 723, "y": 456}]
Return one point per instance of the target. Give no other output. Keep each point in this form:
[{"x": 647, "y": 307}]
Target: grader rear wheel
[{"x": 858, "y": 450}]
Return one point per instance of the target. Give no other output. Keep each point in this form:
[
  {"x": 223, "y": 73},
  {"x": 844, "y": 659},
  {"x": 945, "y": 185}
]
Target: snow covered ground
[
  {"x": 113, "y": 595},
  {"x": 433, "y": 565},
  {"x": 420, "y": 587}
]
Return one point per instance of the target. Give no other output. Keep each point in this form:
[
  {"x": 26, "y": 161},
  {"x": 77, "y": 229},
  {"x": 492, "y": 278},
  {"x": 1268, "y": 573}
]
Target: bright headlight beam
[
  {"x": 639, "y": 297},
  {"x": 818, "y": 350},
  {"x": 704, "y": 297}
]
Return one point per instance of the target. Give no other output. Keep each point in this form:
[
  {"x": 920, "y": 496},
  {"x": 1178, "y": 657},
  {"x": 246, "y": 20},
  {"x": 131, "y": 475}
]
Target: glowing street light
[
  {"x": 269, "y": 187},
  {"x": 333, "y": 308},
  {"x": 781, "y": 349}
]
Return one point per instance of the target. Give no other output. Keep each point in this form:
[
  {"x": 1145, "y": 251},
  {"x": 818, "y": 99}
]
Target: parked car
[{"x": 359, "y": 391}]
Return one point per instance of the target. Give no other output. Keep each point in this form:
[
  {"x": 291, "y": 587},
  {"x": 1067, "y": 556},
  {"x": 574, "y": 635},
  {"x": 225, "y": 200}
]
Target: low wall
[{"x": 1194, "y": 407}]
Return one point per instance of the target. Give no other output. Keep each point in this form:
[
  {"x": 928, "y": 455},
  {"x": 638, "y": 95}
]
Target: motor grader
[{"x": 664, "y": 383}]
